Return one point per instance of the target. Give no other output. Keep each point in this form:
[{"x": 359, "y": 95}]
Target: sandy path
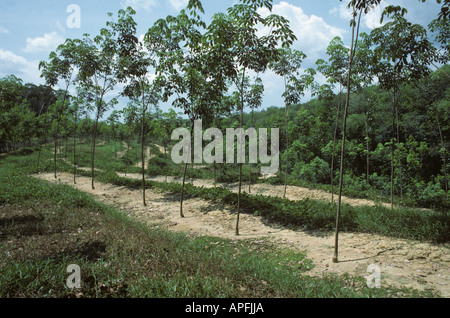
[
  {"x": 403, "y": 263},
  {"x": 292, "y": 192}
]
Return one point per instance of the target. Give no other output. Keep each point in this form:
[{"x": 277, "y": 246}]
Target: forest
[{"x": 378, "y": 128}]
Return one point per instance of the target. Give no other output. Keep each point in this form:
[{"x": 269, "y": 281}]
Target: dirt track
[
  {"x": 403, "y": 263},
  {"x": 292, "y": 193}
]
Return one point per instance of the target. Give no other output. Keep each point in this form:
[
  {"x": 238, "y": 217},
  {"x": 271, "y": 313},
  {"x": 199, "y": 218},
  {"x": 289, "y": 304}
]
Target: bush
[
  {"x": 430, "y": 195},
  {"x": 317, "y": 171},
  {"x": 158, "y": 162},
  {"x": 22, "y": 152}
]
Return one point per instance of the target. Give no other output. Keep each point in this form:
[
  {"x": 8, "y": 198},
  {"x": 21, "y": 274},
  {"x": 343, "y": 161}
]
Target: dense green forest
[{"x": 421, "y": 154}]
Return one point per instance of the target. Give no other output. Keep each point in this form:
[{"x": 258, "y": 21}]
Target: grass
[{"x": 46, "y": 227}]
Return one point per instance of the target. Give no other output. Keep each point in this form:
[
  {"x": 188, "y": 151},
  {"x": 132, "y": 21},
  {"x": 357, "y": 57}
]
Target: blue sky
[{"x": 29, "y": 30}]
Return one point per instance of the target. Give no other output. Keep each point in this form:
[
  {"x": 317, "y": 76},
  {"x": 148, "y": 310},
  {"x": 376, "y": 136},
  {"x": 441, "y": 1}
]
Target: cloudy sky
[{"x": 29, "y": 30}]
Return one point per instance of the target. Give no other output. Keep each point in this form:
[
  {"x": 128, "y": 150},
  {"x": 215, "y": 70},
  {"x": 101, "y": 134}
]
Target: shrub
[
  {"x": 317, "y": 171},
  {"x": 431, "y": 194}
]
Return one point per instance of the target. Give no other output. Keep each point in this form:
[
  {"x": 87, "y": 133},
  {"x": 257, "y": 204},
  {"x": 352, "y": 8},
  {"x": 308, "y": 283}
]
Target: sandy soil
[
  {"x": 403, "y": 263},
  {"x": 292, "y": 192}
]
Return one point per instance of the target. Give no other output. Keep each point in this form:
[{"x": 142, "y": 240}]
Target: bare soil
[
  {"x": 292, "y": 192},
  {"x": 403, "y": 263}
]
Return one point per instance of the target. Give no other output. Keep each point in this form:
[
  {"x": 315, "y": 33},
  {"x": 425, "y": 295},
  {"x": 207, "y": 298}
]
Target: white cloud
[
  {"x": 371, "y": 20},
  {"x": 146, "y": 5},
  {"x": 46, "y": 43},
  {"x": 11, "y": 63},
  {"x": 3, "y": 30},
  {"x": 342, "y": 11},
  {"x": 313, "y": 37},
  {"x": 178, "y": 4},
  {"x": 149, "y": 5},
  {"x": 313, "y": 33}
]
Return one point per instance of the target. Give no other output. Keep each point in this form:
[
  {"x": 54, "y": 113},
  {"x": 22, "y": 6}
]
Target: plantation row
[
  {"x": 211, "y": 71},
  {"x": 402, "y": 222}
]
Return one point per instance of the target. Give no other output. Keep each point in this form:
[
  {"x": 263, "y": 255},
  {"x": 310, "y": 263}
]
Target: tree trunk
[
  {"x": 341, "y": 174},
  {"x": 367, "y": 154},
  {"x": 65, "y": 149},
  {"x": 400, "y": 166},
  {"x": 128, "y": 150},
  {"x": 54, "y": 155},
  {"x": 444, "y": 157},
  {"x": 142, "y": 148},
  {"x": 393, "y": 146},
  {"x": 184, "y": 173},
  {"x": 39, "y": 158},
  {"x": 215, "y": 174},
  {"x": 249, "y": 164},
  {"x": 165, "y": 158},
  {"x": 56, "y": 140},
  {"x": 287, "y": 151},
  {"x": 192, "y": 170},
  {"x": 115, "y": 146},
  {"x": 286, "y": 117},
  {"x": 334, "y": 143},
  {"x": 59, "y": 149},
  {"x": 74, "y": 151},
  {"x": 93, "y": 147},
  {"x": 240, "y": 164}
]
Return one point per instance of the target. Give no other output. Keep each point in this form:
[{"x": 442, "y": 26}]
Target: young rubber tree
[
  {"x": 134, "y": 60},
  {"x": 96, "y": 62},
  {"x": 249, "y": 51},
  {"x": 61, "y": 66},
  {"x": 436, "y": 89},
  {"x": 336, "y": 73},
  {"x": 191, "y": 71},
  {"x": 58, "y": 112},
  {"x": 404, "y": 57},
  {"x": 288, "y": 67},
  {"x": 131, "y": 116},
  {"x": 113, "y": 122},
  {"x": 254, "y": 100},
  {"x": 165, "y": 124},
  {"x": 358, "y": 8},
  {"x": 79, "y": 108}
]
